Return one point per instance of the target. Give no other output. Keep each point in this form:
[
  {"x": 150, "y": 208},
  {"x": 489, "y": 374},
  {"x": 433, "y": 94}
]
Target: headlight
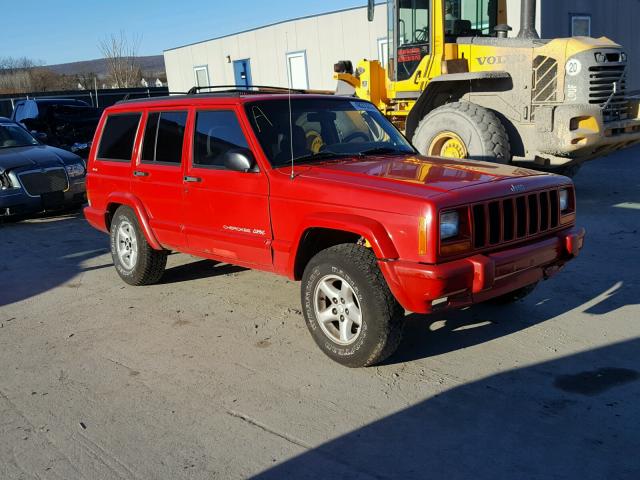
[
  {"x": 449, "y": 225},
  {"x": 564, "y": 200},
  {"x": 623, "y": 57},
  {"x": 74, "y": 170}
]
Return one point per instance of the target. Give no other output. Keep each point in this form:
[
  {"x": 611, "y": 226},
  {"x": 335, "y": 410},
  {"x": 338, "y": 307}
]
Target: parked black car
[
  {"x": 35, "y": 177},
  {"x": 64, "y": 123}
]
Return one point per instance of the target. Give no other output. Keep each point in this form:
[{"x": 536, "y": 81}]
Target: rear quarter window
[{"x": 118, "y": 137}]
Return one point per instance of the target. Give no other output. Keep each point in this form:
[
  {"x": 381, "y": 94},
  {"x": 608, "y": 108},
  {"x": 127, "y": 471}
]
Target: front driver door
[{"x": 227, "y": 213}]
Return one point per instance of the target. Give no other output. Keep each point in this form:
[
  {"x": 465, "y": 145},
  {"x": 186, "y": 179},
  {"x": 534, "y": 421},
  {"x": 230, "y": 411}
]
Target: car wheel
[
  {"x": 135, "y": 260},
  {"x": 348, "y": 307},
  {"x": 514, "y": 296}
]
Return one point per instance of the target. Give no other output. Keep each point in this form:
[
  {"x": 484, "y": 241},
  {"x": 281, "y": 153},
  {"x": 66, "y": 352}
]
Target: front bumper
[
  {"x": 575, "y": 133},
  {"x": 17, "y": 202},
  {"x": 480, "y": 277}
]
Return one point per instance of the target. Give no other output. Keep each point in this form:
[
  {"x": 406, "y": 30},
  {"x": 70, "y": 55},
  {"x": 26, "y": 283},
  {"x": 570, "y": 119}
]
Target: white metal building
[
  {"x": 304, "y": 48},
  {"x": 303, "y": 51}
]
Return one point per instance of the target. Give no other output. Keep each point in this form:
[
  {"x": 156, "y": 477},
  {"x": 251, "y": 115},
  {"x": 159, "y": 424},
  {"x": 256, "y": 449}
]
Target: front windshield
[
  {"x": 322, "y": 129},
  {"x": 12, "y": 135}
]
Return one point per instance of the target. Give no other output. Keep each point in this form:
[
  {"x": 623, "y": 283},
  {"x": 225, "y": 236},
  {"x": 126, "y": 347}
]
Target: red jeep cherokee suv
[{"x": 325, "y": 190}]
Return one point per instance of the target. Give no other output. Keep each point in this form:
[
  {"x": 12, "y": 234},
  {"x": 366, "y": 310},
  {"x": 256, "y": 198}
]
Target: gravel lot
[{"x": 212, "y": 374}]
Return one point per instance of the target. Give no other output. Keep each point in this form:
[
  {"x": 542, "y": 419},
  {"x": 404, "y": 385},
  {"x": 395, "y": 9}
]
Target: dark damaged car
[
  {"x": 65, "y": 123},
  {"x": 35, "y": 177}
]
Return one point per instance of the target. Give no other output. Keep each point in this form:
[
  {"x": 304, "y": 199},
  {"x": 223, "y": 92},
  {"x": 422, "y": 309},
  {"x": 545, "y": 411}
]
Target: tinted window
[
  {"x": 164, "y": 136},
  {"x": 11, "y": 135},
  {"x": 118, "y": 137},
  {"x": 216, "y": 133}
]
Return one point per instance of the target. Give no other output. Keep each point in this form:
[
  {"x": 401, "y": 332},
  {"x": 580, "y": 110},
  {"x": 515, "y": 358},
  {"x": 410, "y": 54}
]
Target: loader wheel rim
[{"x": 448, "y": 144}]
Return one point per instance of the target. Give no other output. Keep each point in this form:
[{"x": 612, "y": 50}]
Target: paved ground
[{"x": 212, "y": 374}]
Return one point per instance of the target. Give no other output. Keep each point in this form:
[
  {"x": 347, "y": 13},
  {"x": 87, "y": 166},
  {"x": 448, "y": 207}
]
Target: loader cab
[{"x": 416, "y": 26}]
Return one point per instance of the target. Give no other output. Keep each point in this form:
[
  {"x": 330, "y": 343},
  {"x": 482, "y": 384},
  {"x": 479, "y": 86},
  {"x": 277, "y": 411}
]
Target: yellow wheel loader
[{"x": 459, "y": 86}]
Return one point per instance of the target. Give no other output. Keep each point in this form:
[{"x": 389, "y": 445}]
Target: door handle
[
  {"x": 192, "y": 179},
  {"x": 139, "y": 173}
]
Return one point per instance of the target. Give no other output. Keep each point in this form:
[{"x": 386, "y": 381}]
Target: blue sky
[{"x": 69, "y": 30}]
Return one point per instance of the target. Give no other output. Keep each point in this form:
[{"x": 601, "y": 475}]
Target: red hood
[{"x": 415, "y": 173}]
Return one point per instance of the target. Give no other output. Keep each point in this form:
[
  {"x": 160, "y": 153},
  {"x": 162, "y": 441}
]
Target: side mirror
[
  {"x": 240, "y": 160},
  {"x": 371, "y": 10}
]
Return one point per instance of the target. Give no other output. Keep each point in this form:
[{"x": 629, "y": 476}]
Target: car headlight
[
  {"x": 75, "y": 170},
  {"x": 449, "y": 225},
  {"x": 564, "y": 200}
]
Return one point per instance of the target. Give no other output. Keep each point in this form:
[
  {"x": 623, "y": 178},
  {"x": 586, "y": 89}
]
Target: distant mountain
[{"x": 152, "y": 64}]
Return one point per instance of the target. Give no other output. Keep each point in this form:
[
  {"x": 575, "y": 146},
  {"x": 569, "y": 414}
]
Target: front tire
[
  {"x": 463, "y": 130},
  {"x": 135, "y": 260},
  {"x": 348, "y": 307}
]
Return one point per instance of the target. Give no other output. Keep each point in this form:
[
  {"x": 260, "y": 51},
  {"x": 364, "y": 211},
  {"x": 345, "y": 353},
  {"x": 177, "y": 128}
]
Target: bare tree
[
  {"x": 86, "y": 80},
  {"x": 15, "y": 74},
  {"x": 121, "y": 52}
]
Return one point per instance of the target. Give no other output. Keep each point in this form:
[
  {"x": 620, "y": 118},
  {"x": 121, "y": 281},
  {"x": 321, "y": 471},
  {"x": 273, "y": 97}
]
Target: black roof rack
[
  {"x": 226, "y": 90},
  {"x": 243, "y": 89}
]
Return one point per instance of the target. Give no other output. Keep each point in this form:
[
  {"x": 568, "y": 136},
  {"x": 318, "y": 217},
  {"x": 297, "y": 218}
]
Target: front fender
[{"x": 370, "y": 229}]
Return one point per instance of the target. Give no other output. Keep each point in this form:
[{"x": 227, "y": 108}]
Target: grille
[
  {"x": 608, "y": 81},
  {"x": 37, "y": 183},
  {"x": 545, "y": 82},
  {"x": 515, "y": 218}
]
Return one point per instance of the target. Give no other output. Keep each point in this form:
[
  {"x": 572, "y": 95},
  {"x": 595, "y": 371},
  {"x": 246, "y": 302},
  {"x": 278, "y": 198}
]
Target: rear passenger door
[
  {"x": 227, "y": 214},
  {"x": 158, "y": 173}
]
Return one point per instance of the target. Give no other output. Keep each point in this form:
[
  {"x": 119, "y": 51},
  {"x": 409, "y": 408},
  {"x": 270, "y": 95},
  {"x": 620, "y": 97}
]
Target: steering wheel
[{"x": 352, "y": 136}]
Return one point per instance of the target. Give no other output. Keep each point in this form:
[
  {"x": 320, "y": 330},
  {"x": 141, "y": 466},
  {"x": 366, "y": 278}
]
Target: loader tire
[{"x": 463, "y": 130}]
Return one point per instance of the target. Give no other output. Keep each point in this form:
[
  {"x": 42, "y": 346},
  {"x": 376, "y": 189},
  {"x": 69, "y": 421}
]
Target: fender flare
[
  {"x": 130, "y": 200},
  {"x": 370, "y": 229},
  {"x": 452, "y": 87}
]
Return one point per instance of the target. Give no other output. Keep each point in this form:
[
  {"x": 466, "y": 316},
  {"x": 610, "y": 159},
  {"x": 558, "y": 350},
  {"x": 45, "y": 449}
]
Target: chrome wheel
[
  {"x": 337, "y": 309},
  {"x": 126, "y": 245}
]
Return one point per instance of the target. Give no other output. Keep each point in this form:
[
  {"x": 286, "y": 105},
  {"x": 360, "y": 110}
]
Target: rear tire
[
  {"x": 481, "y": 132},
  {"x": 135, "y": 260},
  {"x": 341, "y": 287}
]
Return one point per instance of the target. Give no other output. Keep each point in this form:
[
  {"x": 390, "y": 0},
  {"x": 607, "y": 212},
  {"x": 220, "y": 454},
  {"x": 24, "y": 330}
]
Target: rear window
[
  {"x": 118, "y": 137},
  {"x": 164, "y": 136}
]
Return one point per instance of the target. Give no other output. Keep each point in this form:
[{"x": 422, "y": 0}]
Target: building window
[
  {"x": 202, "y": 75},
  {"x": 297, "y": 70},
  {"x": 580, "y": 25}
]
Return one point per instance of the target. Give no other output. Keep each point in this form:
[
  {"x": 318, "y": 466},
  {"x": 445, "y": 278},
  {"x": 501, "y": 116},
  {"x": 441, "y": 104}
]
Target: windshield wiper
[
  {"x": 384, "y": 150},
  {"x": 321, "y": 156}
]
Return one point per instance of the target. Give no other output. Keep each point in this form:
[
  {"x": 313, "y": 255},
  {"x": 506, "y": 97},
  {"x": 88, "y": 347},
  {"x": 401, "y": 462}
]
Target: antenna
[{"x": 289, "y": 82}]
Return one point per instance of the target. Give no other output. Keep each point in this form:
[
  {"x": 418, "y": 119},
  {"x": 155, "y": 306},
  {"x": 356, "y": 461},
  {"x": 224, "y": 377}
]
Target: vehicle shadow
[
  {"x": 570, "y": 418},
  {"x": 198, "y": 270},
  {"x": 45, "y": 252}
]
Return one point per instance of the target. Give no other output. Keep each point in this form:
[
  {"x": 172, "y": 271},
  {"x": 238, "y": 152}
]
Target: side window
[
  {"x": 118, "y": 137},
  {"x": 163, "y": 137},
  {"x": 216, "y": 133}
]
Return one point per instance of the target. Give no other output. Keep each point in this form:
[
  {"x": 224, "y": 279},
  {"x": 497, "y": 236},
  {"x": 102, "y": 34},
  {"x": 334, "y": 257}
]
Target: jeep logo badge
[{"x": 518, "y": 188}]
